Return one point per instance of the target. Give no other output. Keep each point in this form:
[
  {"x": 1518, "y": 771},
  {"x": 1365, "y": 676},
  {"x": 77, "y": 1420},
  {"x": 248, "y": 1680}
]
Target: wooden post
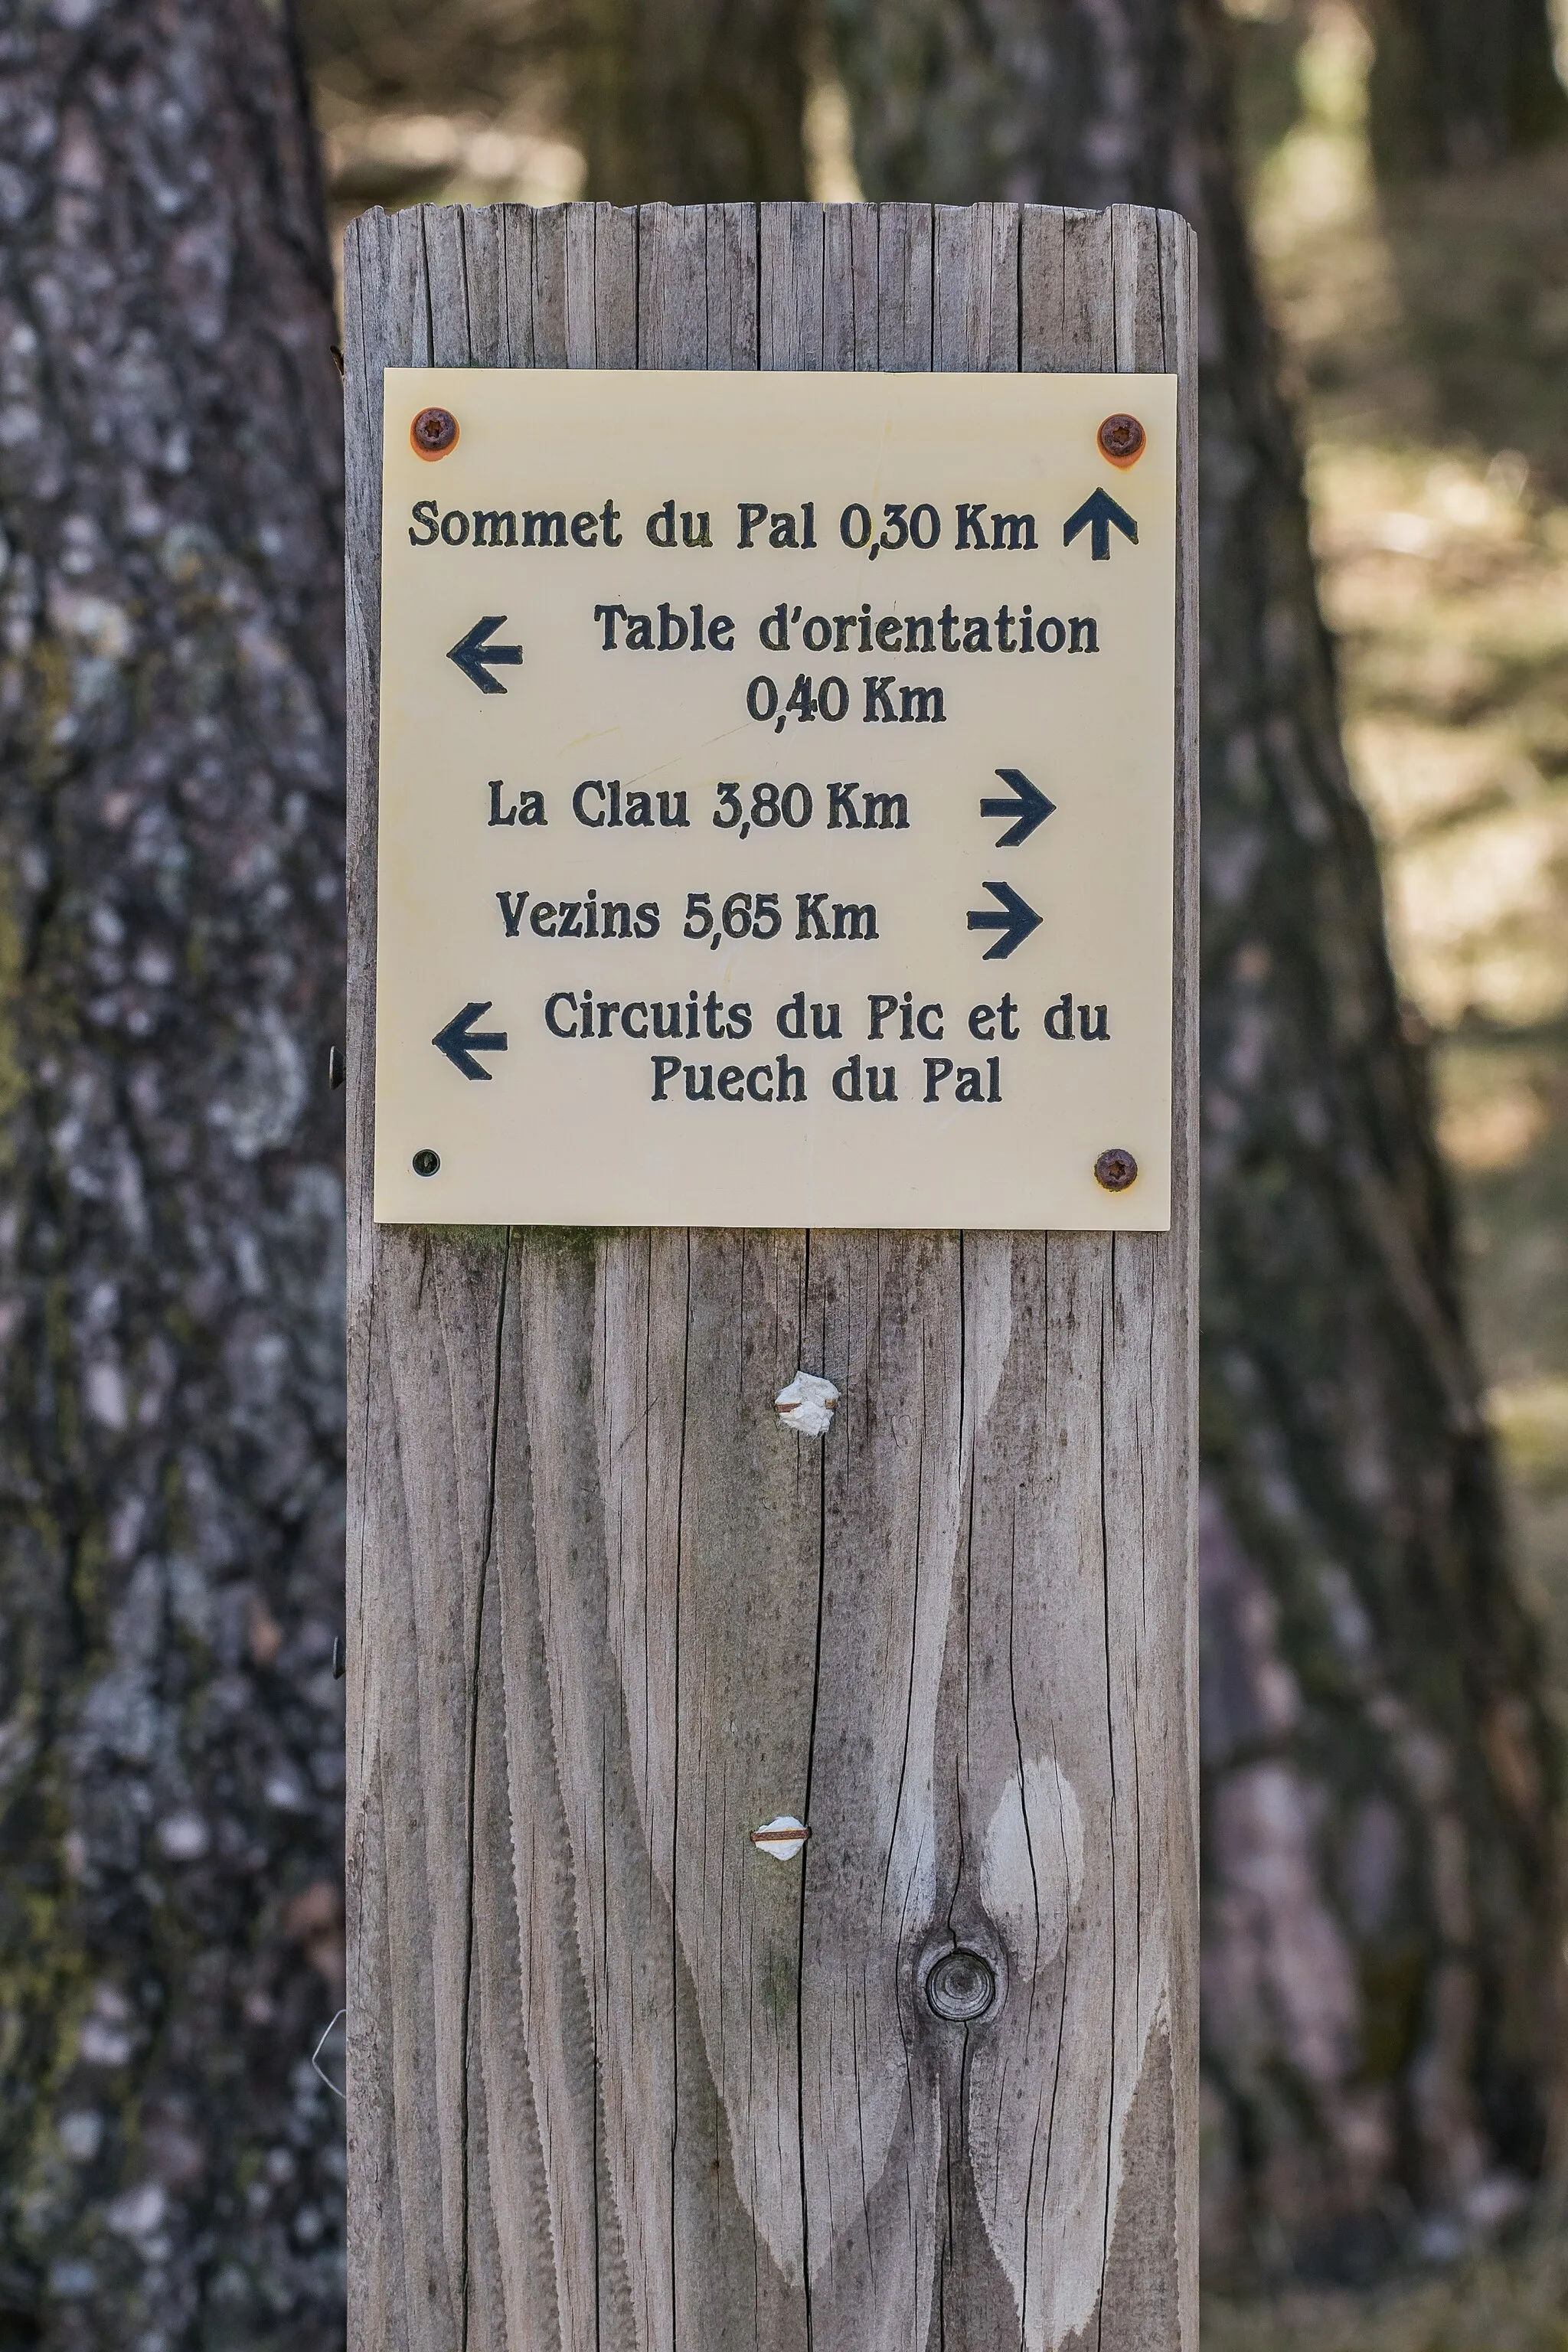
[{"x": 612, "y": 2082}]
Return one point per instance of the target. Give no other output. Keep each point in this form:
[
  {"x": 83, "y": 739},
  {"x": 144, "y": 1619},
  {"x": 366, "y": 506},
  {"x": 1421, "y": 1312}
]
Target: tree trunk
[
  {"x": 170, "y": 1253},
  {"x": 1460, "y": 84},
  {"x": 693, "y": 104},
  {"x": 1381, "y": 1918}
]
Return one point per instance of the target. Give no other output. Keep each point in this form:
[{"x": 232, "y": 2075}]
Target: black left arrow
[
  {"x": 1014, "y": 923},
  {"x": 460, "y": 1041},
  {"x": 1100, "y": 510},
  {"x": 472, "y": 652},
  {"x": 1029, "y": 807}
]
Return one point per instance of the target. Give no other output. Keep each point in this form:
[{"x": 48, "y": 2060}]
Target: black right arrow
[
  {"x": 460, "y": 1041},
  {"x": 472, "y": 652},
  {"x": 1100, "y": 510},
  {"x": 1015, "y": 925},
  {"x": 1030, "y": 808}
]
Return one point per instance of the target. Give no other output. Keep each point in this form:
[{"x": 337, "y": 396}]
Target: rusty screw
[
  {"x": 433, "y": 432},
  {"x": 1115, "y": 1170},
  {"x": 1122, "y": 440}
]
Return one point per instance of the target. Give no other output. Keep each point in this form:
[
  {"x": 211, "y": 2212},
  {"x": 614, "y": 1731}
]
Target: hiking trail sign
[
  {"x": 776, "y": 799},
  {"x": 770, "y": 1061}
]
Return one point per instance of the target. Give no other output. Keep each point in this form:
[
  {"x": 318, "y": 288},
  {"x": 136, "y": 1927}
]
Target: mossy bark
[
  {"x": 170, "y": 1202},
  {"x": 1381, "y": 1911}
]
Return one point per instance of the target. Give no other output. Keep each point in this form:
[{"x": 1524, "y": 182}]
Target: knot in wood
[
  {"x": 1115, "y": 1170},
  {"x": 433, "y": 432},
  {"x": 961, "y": 1988},
  {"x": 1122, "y": 440}
]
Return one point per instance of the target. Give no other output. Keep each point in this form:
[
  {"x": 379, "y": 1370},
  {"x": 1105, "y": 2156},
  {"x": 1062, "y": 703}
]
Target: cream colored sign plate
[{"x": 718, "y": 717}]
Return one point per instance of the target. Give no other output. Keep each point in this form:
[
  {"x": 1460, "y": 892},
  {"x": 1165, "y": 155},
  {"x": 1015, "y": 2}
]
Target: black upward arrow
[
  {"x": 1100, "y": 510},
  {"x": 1014, "y": 924},
  {"x": 460, "y": 1041},
  {"x": 472, "y": 652},
  {"x": 1030, "y": 808}
]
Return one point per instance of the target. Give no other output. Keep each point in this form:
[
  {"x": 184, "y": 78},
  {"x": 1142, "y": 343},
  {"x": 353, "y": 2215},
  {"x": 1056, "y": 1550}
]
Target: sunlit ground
[{"x": 1512, "y": 2302}]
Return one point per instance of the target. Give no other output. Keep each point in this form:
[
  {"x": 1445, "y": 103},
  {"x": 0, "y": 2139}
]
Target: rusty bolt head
[
  {"x": 1115, "y": 1170},
  {"x": 1122, "y": 440},
  {"x": 433, "y": 432}
]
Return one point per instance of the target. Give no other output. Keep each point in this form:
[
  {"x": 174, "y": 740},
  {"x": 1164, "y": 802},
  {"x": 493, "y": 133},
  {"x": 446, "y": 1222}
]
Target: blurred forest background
[{"x": 1424, "y": 323}]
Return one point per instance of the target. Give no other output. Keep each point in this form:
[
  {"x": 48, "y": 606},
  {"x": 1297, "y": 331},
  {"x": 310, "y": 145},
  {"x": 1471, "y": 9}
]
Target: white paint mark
[
  {"x": 806, "y": 1404},
  {"x": 783, "y": 1837}
]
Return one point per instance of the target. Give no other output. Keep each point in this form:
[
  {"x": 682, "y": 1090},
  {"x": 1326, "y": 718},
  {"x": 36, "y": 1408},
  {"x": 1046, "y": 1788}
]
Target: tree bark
[
  {"x": 170, "y": 1253},
  {"x": 1458, "y": 84},
  {"x": 695, "y": 104},
  {"x": 1381, "y": 1913}
]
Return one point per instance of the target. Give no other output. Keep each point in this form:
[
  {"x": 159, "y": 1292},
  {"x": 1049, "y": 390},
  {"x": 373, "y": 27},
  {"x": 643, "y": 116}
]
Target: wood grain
[{"x": 617, "y": 2081}]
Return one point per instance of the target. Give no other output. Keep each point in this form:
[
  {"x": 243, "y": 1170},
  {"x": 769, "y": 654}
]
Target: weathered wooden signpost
[{"x": 771, "y": 882}]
